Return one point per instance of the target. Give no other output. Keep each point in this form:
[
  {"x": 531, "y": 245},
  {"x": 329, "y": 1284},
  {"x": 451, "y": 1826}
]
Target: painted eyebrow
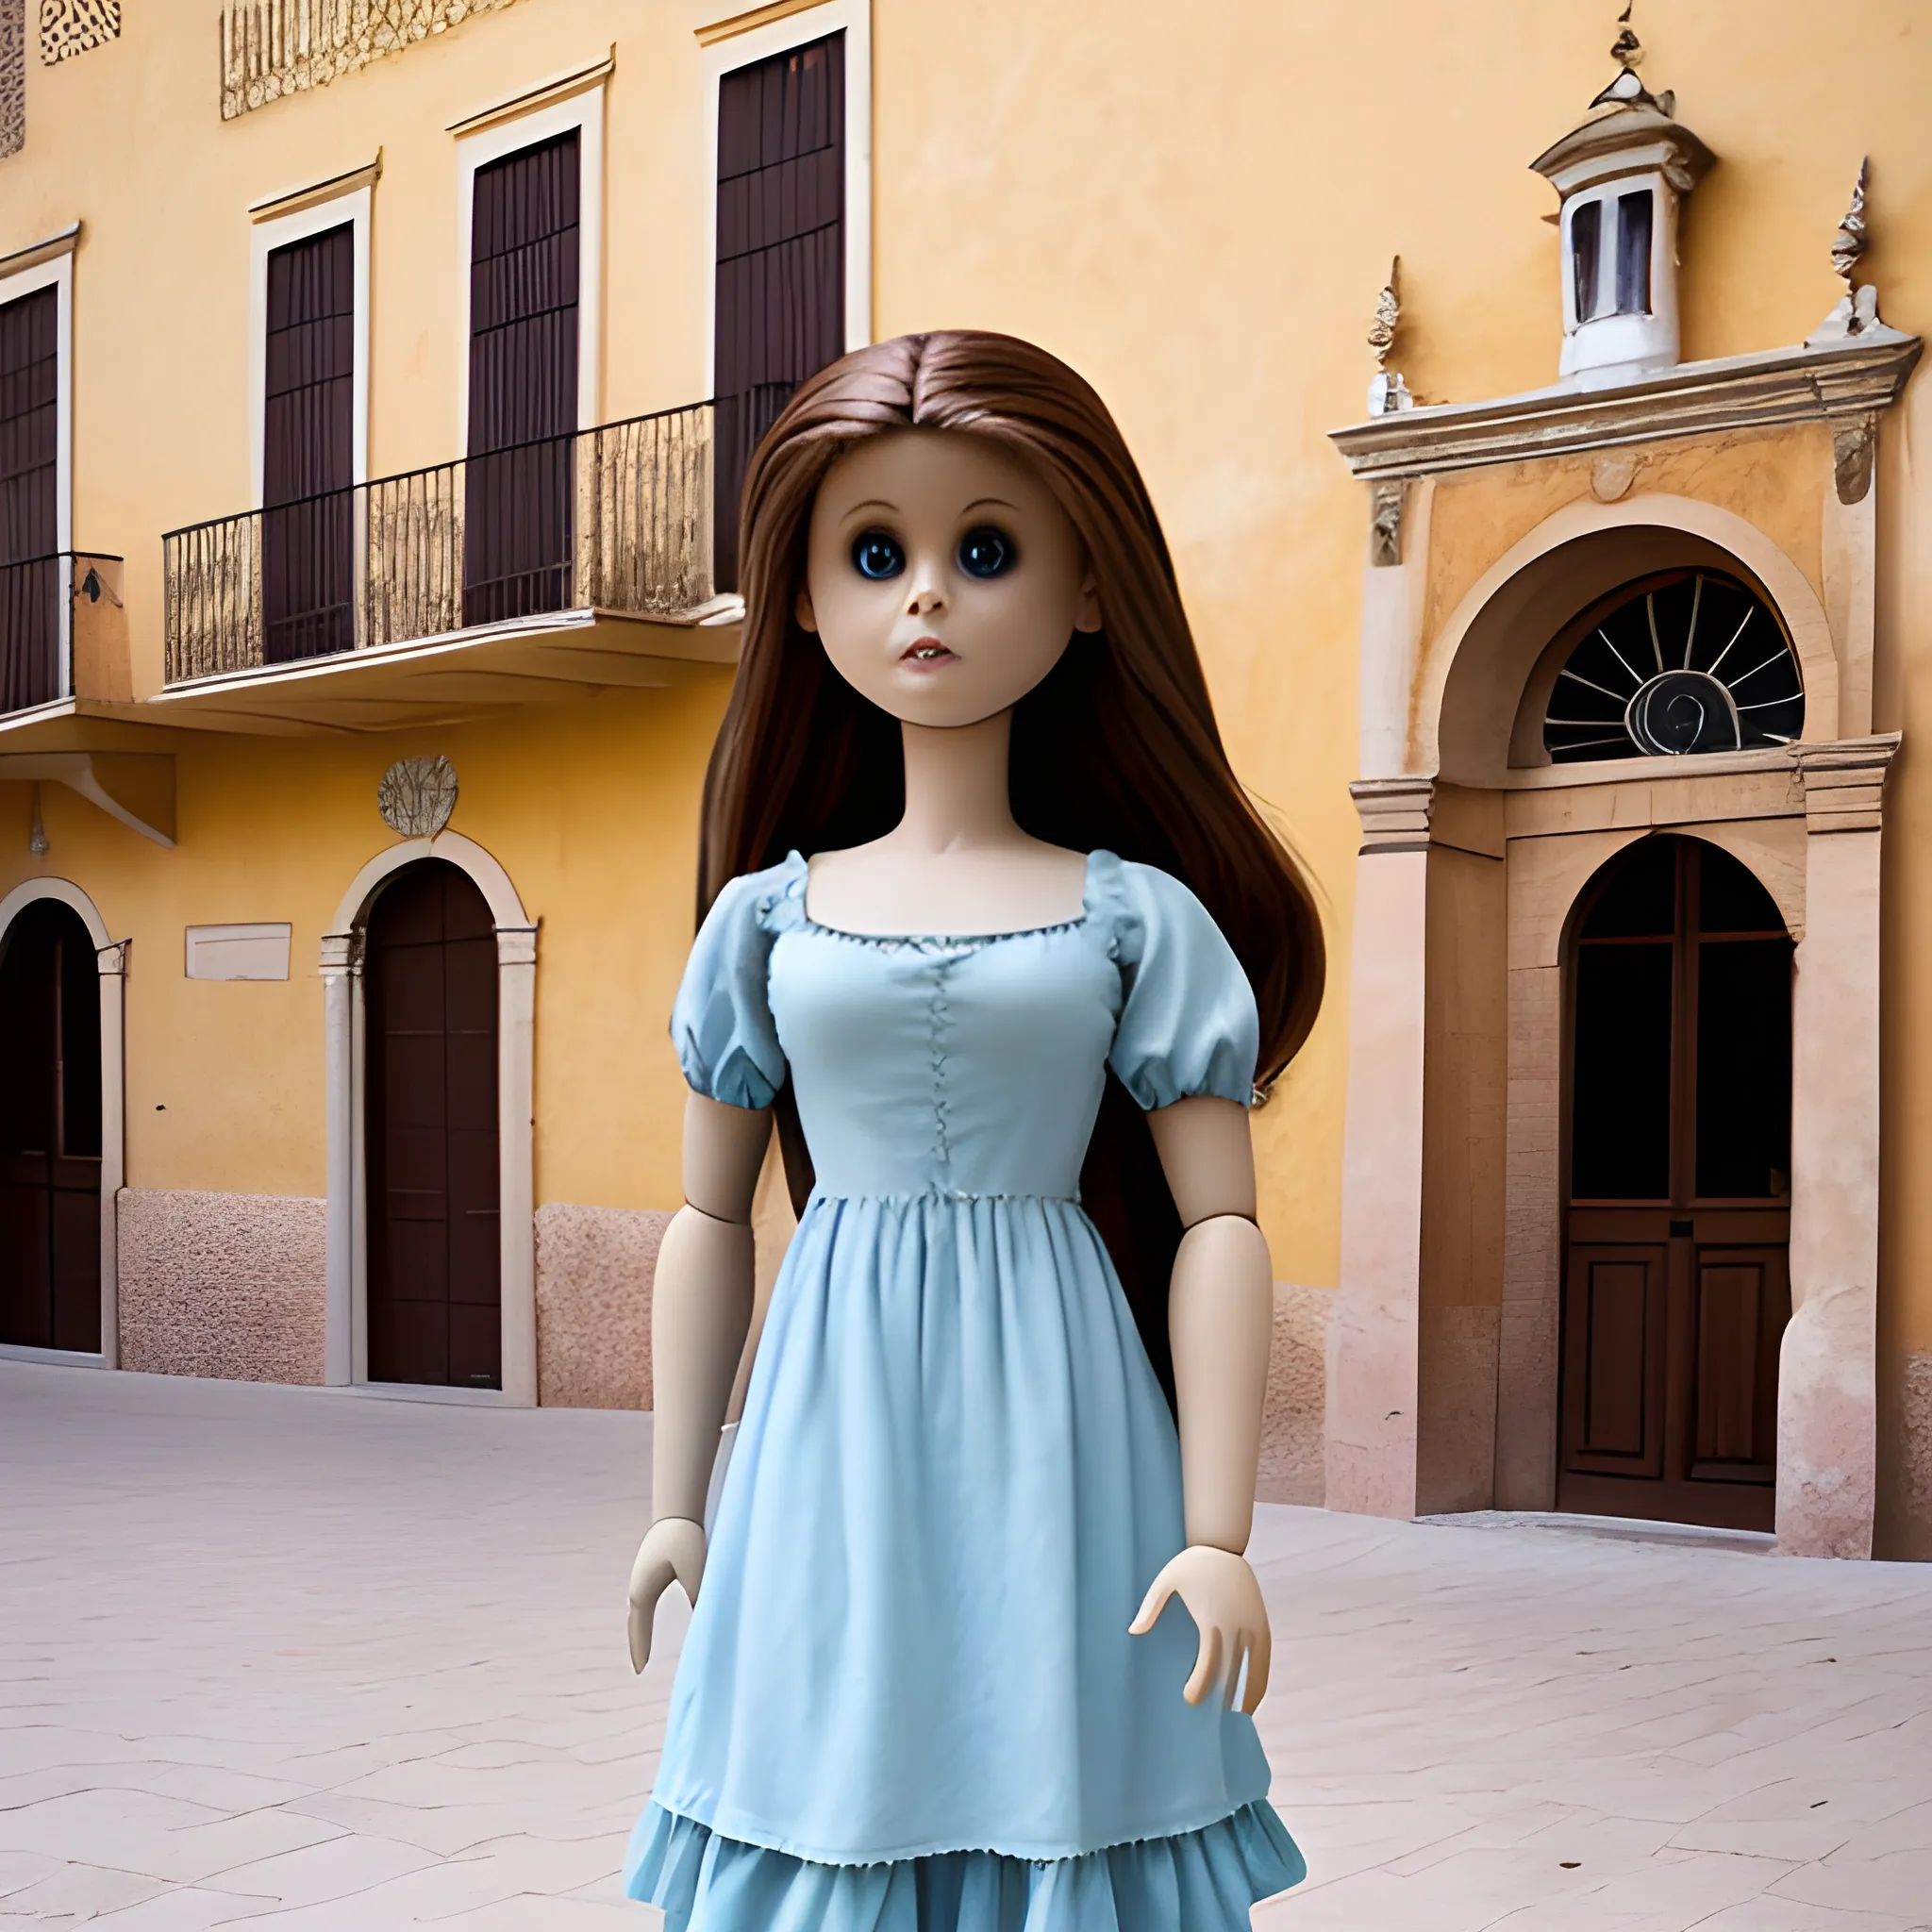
[
  {"x": 872, "y": 502},
  {"x": 990, "y": 503}
]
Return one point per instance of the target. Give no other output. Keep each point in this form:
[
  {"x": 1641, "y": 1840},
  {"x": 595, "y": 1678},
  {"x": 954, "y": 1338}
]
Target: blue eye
[
  {"x": 986, "y": 551},
  {"x": 876, "y": 556}
]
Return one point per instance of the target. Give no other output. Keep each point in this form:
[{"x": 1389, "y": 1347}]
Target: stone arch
[
  {"x": 346, "y": 1351},
  {"x": 110, "y": 956},
  {"x": 1474, "y": 672}
]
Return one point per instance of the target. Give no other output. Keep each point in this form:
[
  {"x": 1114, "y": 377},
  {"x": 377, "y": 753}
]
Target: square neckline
[{"x": 803, "y": 868}]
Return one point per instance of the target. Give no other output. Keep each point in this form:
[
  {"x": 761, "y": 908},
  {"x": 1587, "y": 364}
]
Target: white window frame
[
  {"x": 351, "y": 210},
  {"x": 725, "y": 53},
  {"x": 583, "y": 111}
]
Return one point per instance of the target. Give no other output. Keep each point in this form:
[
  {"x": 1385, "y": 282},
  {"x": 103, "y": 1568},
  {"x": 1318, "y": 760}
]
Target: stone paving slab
[{"x": 321, "y": 1661}]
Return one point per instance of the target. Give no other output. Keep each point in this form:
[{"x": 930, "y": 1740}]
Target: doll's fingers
[
  {"x": 1150, "y": 1606},
  {"x": 1261, "y": 1649},
  {"x": 640, "y": 1634},
  {"x": 1207, "y": 1666}
]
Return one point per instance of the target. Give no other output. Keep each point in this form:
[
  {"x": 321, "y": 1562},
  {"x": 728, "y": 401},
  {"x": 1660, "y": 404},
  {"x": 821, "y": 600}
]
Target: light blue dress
[{"x": 907, "y": 1700}]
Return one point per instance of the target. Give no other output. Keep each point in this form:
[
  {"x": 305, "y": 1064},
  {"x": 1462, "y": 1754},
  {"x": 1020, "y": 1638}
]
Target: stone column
[
  {"x": 516, "y": 1022},
  {"x": 112, "y": 961},
  {"x": 342, "y": 963},
  {"x": 1374, "y": 1334},
  {"x": 1827, "y": 1370}
]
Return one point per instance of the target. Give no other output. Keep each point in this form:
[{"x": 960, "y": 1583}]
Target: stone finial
[
  {"x": 1387, "y": 390},
  {"x": 1388, "y": 315},
  {"x": 1626, "y": 50},
  {"x": 1853, "y": 239}
]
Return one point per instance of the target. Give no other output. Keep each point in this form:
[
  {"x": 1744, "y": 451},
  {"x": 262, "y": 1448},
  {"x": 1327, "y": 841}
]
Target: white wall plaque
[{"x": 239, "y": 951}]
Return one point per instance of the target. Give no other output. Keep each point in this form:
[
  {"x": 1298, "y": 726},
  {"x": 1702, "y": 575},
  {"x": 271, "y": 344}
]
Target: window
[
  {"x": 307, "y": 454},
  {"x": 1633, "y": 253},
  {"x": 1688, "y": 661}
]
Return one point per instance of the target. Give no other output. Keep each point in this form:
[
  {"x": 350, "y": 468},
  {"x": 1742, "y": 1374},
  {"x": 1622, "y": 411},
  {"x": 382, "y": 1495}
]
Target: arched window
[{"x": 1687, "y": 660}]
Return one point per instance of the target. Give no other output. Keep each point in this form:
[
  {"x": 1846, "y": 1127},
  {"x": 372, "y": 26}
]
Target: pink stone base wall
[
  {"x": 1291, "y": 1425},
  {"x": 228, "y": 1285},
  {"x": 594, "y": 1267}
]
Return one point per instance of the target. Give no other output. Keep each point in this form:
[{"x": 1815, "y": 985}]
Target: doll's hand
[
  {"x": 1218, "y": 1591},
  {"x": 672, "y": 1551}
]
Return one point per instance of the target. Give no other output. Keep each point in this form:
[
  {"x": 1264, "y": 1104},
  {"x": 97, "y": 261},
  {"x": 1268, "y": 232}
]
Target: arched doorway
[
  {"x": 434, "y": 1247},
  {"x": 1677, "y": 1208},
  {"x": 50, "y": 1131}
]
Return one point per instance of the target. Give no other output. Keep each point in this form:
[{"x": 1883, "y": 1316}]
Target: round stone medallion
[{"x": 417, "y": 795}]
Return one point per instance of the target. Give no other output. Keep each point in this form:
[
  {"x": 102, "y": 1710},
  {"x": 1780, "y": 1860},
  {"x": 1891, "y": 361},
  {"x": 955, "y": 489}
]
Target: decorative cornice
[
  {"x": 1844, "y": 783},
  {"x": 65, "y": 243},
  {"x": 545, "y": 93},
  {"x": 1835, "y": 382},
  {"x": 711, "y": 32},
  {"x": 1395, "y": 812},
  {"x": 293, "y": 201}
]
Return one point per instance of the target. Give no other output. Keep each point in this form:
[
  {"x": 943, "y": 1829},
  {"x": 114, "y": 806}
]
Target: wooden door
[
  {"x": 1676, "y": 1285},
  {"x": 431, "y": 1132},
  {"x": 524, "y": 277},
  {"x": 307, "y": 456},
  {"x": 781, "y": 306},
  {"x": 50, "y": 1131},
  {"x": 30, "y": 588}
]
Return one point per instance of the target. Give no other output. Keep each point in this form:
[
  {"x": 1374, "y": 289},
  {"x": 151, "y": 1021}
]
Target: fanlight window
[{"x": 1690, "y": 661}]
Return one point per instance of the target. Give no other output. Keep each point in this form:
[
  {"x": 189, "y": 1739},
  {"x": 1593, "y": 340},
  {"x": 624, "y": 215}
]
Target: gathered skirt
[{"x": 907, "y": 1700}]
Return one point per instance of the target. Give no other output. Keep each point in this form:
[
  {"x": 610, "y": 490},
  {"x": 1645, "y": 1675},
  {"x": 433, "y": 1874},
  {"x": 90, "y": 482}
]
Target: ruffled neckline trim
[{"x": 781, "y": 908}]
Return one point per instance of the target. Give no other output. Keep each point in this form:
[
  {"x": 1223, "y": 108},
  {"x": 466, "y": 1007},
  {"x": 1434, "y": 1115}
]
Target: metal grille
[{"x": 638, "y": 540}]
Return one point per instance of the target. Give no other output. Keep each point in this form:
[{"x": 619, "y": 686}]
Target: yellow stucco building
[{"x": 375, "y": 381}]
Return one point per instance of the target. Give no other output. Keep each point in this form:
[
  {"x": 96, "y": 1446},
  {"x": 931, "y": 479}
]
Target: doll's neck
[{"x": 956, "y": 786}]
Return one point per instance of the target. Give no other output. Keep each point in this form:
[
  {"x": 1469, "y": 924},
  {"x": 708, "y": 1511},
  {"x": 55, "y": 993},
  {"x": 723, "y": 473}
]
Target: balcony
[{"x": 590, "y": 561}]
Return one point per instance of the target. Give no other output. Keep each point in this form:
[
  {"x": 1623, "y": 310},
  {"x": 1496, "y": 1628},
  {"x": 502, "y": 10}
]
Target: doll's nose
[{"x": 926, "y": 597}]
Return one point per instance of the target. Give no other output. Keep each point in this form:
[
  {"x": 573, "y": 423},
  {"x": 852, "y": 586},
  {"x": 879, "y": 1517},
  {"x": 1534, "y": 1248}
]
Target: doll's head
[
  {"x": 926, "y": 448},
  {"x": 942, "y": 579}
]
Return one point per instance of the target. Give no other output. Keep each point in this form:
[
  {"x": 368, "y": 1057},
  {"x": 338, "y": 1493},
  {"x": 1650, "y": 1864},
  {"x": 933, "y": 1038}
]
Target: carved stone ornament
[
  {"x": 417, "y": 795},
  {"x": 72, "y": 26},
  {"x": 1851, "y": 457},
  {"x": 1385, "y": 524}
]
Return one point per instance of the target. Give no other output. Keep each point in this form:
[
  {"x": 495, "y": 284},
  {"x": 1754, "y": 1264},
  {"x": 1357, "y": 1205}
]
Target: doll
[{"x": 991, "y": 928}]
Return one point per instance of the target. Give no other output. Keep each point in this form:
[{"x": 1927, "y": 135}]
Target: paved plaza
[{"x": 328, "y": 1660}]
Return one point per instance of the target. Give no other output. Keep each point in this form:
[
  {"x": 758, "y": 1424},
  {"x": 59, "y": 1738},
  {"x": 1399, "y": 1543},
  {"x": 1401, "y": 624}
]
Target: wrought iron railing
[
  {"x": 37, "y": 599},
  {"x": 618, "y": 518}
]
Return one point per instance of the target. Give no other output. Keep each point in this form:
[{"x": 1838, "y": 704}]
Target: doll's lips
[{"x": 926, "y": 651}]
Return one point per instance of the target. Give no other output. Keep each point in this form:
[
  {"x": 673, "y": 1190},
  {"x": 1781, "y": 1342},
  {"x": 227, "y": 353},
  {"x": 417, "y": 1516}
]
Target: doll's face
[{"x": 942, "y": 577}]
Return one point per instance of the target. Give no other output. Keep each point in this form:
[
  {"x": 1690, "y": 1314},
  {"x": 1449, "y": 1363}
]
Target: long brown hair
[{"x": 1116, "y": 748}]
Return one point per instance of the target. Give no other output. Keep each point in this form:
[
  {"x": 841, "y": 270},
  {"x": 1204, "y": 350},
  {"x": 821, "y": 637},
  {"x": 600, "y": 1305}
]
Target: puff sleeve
[
  {"x": 1187, "y": 1022},
  {"x": 722, "y": 1026}
]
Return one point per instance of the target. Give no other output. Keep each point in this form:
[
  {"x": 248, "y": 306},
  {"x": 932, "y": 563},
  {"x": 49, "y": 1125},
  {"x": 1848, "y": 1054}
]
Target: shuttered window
[
  {"x": 307, "y": 454},
  {"x": 781, "y": 251},
  {"x": 29, "y": 524},
  {"x": 524, "y": 282}
]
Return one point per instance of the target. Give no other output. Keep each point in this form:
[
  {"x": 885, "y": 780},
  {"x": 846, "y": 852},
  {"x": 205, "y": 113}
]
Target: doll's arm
[
  {"x": 701, "y": 1305},
  {"x": 1220, "y": 1302}
]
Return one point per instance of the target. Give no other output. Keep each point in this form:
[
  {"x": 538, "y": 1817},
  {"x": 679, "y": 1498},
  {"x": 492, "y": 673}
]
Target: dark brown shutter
[
  {"x": 781, "y": 253},
  {"x": 306, "y": 448},
  {"x": 29, "y": 526},
  {"x": 50, "y": 1131},
  {"x": 524, "y": 278},
  {"x": 431, "y": 1132}
]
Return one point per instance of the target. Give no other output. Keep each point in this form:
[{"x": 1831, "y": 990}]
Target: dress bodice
[{"x": 966, "y": 1067}]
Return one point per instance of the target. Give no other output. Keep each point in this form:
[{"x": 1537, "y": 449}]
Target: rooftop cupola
[{"x": 1622, "y": 176}]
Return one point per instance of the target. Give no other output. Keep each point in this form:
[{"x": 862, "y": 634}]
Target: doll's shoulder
[
  {"x": 1143, "y": 907},
  {"x": 757, "y": 902}
]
